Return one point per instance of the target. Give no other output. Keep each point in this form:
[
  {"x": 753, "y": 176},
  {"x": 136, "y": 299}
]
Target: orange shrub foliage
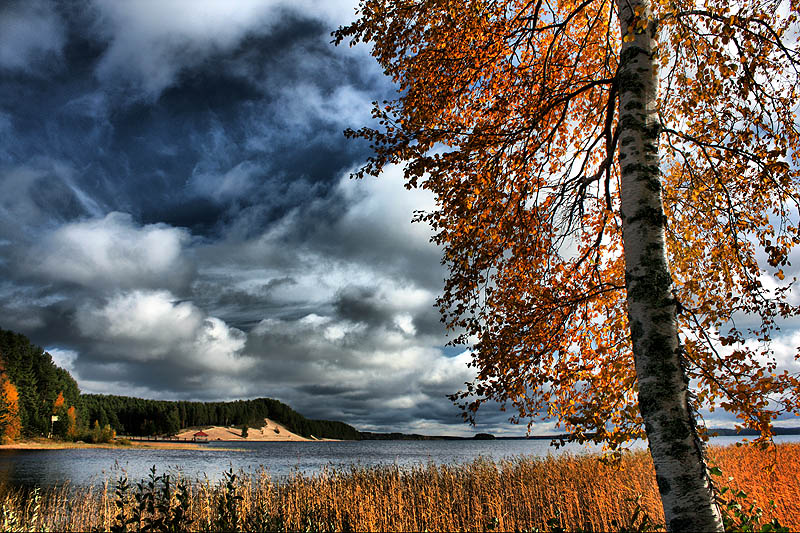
[
  {"x": 72, "y": 423},
  {"x": 59, "y": 403},
  {"x": 9, "y": 411}
]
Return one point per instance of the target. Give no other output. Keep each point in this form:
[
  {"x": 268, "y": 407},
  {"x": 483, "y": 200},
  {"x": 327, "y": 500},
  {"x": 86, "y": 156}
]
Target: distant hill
[
  {"x": 367, "y": 435},
  {"x": 724, "y": 432},
  {"x": 136, "y": 416},
  {"x": 33, "y": 390}
]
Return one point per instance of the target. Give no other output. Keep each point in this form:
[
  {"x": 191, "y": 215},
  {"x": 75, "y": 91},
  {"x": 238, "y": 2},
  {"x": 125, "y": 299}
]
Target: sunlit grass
[{"x": 523, "y": 494}]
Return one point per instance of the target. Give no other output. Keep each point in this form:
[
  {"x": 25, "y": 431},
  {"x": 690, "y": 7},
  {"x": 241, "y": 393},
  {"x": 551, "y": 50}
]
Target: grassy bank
[{"x": 521, "y": 494}]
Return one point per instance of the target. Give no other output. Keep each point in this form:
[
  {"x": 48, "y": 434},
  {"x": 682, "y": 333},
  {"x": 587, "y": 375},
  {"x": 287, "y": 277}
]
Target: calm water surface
[{"x": 92, "y": 466}]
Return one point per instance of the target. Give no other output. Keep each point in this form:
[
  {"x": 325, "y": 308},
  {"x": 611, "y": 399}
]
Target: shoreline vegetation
[
  {"x": 121, "y": 444},
  {"x": 566, "y": 492},
  {"x": 185, "y": 439}
]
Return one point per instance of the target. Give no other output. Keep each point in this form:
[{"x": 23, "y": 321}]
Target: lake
[{"x": 83, "y": 467}]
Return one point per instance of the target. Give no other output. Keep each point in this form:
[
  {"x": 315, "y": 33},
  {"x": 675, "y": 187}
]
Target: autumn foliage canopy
[{"x": 508, "y": 112}]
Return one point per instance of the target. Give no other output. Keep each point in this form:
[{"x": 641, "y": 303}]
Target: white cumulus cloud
[
  {"x": 152, "y": 325},
  {"x": 114, "y": 252}
]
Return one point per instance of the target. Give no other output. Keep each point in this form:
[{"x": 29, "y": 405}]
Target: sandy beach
[{"x": 271, "y": 432}]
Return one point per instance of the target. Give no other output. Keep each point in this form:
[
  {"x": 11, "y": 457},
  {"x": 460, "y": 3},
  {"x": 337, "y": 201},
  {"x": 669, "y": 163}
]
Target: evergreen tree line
[
  {"x": 42, "y": 389},
  {"x": 139, "y": 417},
  {"x": 37, "y": 398}
]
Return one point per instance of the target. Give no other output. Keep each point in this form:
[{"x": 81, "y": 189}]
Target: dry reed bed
[
  {"x": 747, "y": 465},
  {"x": 520, "y": 494}
]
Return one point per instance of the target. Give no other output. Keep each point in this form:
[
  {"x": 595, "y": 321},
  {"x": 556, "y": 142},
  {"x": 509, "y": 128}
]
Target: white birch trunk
[{"x": 681, "y": 473}]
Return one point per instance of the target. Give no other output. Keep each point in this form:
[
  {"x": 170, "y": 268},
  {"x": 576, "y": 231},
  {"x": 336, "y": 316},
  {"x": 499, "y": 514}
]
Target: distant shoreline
[
  {"x": 126, "y": 444},
  {"x": 720, "y": 432},
  {"x": 45, "y": 444},
  {"x": 187, "y": 439}
]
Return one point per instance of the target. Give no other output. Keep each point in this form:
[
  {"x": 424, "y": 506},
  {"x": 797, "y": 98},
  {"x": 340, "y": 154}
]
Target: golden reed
[{"x": 522, "y": 494}]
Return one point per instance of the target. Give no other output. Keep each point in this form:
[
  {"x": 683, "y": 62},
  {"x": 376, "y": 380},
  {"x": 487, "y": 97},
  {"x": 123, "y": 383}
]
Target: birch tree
[{"x": 616, "y": 189}]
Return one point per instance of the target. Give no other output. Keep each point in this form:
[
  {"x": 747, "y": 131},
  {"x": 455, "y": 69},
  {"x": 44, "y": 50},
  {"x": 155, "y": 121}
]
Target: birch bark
[{"x": 681, "y": 472}]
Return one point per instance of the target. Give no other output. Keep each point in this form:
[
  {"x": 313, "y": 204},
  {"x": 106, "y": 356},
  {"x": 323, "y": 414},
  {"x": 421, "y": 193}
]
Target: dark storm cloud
[
  {"x": 33, "y": 35},
  {"x": 361, "y": 304},
  {"x": 237, "y": 305},
  {"x": 378, "y": 232},
  {"x": 47, "y": 323},
  {"x": 176, "y": 219},
  {"x": 167, "y": 158},
  {"x": 40, "y": 193}
]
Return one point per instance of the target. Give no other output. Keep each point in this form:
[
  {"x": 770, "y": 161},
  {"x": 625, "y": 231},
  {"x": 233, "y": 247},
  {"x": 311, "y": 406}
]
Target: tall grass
[
  {"x": 523, "y": 494},
  {"x": 771, "y": 478}
]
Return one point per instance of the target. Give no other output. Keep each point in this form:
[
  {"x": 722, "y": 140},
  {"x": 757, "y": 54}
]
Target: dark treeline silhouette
[
  {"x": 46, "y": 391},
  {"x": 139, "y": 417},
  {"x": 38, "y": 382}
]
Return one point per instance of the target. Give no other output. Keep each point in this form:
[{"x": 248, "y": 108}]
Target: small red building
[{"x": 200, "y": 435}]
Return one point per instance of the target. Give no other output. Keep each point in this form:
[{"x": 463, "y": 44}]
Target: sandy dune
[{"x": 272, "y": 431}]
